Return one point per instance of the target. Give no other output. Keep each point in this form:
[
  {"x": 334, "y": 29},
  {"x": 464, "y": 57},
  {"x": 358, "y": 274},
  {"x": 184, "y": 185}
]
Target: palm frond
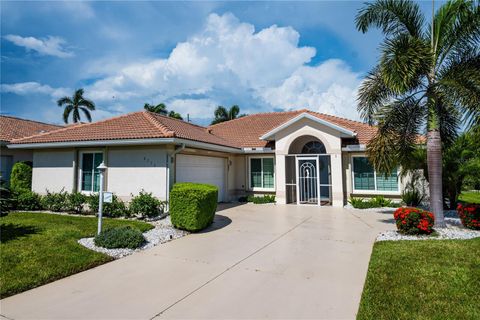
[
  {"x": 393, "y": 17},
  {"x": 233, "y": 112},
  {"x": 78, "y": 96},
  {"x": 405, "y": 61},
  {"x": 87, "y": 104},
  {"x": 64, "y": 100},
  {"x": 86, "y": 113},
  {"x": 66, "y": 112},
  {"x": 76, "y": 115},
  {"x": 372, "y": 95}
]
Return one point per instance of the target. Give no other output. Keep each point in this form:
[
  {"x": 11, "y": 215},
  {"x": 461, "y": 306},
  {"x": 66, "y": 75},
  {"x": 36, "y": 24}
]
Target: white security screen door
[{"x": 308, "y": 182}]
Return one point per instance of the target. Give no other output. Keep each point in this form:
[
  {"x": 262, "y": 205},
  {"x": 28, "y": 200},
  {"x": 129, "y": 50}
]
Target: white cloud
[
  {"x": 330, "y": 87},
  {"x": 52, "y": 46},
  {"x": 228, "y": 62},
  {"x": 28, "y": 88}
]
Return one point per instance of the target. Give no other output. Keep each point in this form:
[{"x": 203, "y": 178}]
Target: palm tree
[
  {"x": 427, "y": 80},
  {"x": 74, "y": 104},
  {"x": 160, "y": 108},
  {"x": 222, "y": 114},
  {"x": 176, "y": 115}
]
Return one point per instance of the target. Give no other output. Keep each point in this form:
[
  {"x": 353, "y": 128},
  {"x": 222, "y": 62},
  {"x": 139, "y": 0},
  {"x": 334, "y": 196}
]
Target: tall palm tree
[
  {"x": 427, "y": 80},
  {"x": 160, "y": 108},
  {"x": 222, "y": 114},
  {"x": 74, "y": 104}
]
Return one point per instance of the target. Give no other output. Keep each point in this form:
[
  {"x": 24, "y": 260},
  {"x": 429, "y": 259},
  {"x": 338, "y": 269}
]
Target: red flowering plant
[
  {"x": 413, "y": 221},
  {"x": 470, "y": 215}
]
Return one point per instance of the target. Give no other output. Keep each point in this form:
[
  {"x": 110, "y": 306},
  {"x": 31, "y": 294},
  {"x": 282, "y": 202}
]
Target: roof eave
[{"x": 270, "y": 135}]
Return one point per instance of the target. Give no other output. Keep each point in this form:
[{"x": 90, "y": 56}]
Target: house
[
  {"x": 14, "y": 128},
  {"x": 303, "y": 157}
]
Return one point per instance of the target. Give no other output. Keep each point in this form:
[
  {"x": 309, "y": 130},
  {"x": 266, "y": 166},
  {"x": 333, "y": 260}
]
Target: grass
[
  {"x": 470, "y": 197},
  {"x": 37, "y": 248},
  {"x": 431, "y": 279}
]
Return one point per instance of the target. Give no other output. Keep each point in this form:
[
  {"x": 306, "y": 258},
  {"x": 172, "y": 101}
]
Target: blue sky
[{"x": 193, "y": 56}]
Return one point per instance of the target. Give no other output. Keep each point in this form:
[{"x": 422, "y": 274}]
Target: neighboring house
[
  {"x": 14, "y": 128},
  {"x": 302, "y": 157}
]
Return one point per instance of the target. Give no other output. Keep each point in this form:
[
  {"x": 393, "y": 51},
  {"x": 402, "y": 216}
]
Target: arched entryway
[{"x": 308, "y": 172}]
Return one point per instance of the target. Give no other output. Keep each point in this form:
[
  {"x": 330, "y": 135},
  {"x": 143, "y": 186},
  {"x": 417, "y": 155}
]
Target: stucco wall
[
  {"x": 131, "y": 169},
  {"x": 17, "y": 154},
  {"x": 332, "y": 141},
  {"x": 53, "y": 170}
]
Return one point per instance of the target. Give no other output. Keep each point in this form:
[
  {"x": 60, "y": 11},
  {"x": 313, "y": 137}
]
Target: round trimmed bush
[
  {"x": 193, "y": 205},
  {"x": 469, "y": 215},
  {"x": 413, "y": 221},
  {"x": 145, "y": 205},
  {"x": 122, "y": 237}
]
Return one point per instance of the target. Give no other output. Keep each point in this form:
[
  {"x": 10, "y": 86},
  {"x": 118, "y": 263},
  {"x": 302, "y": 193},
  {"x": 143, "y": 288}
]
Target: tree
[
  {"x": 176, "y": 115},
  {"x": 74, "y": 104},
  {"x": 427, "y": 80},
  {"x": 21, "y": 177},
  {"x": 159, "y": 108},
  {"x": 222, "y": 114}
]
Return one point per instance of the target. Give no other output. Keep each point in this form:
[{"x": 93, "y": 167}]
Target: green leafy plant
[
  {"x": 122, "y": 237},
  {"x": 21, "y": 176},
  {"x": 27, "y": 200},
  {"x": 469, "y": 215},
  {"x": 145, "y": 205},
  {"x": 116, "y": 208},
  {"x": 413, "y": 221},
  {"x": 261, "y": 199},
  {"x": 5, "y": 199},
  {"x": 76, "y": 202},
  {"x": 193, "y": 205},
  {"x": 380, "y": 201},
  {"x": 55, "y": 201},
  {"x": 375, "y": 202}
]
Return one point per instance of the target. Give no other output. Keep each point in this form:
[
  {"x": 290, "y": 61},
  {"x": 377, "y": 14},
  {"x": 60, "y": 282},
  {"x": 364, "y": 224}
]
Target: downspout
[{"x": 170, "y": 157}]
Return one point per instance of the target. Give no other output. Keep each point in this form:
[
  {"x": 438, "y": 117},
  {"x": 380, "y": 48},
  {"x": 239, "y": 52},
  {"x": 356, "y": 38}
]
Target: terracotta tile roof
[
  {"x": 136, "y": 125},
  {"x": 14, "y": 128},
  {"x": 246, "y": 131},
  {"x": 242, "y": 132}
]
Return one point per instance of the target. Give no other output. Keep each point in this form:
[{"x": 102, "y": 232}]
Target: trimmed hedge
[
  {"x": 21, "y": 176},
  {"x": 193, "y": 205}
]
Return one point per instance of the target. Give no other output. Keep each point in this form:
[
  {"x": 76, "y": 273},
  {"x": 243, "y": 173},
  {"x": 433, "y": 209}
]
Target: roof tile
[{"x": 14, "y": 128}]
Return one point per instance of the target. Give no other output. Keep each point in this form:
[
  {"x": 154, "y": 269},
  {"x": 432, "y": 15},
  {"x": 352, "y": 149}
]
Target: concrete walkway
[{"x": 258, "y": 261}]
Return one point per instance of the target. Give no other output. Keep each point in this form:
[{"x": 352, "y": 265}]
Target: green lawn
[
  {"x": 37, "y": 248},
  {"x": 431, "y": 279},
  {"x": 470, "y": 197}
]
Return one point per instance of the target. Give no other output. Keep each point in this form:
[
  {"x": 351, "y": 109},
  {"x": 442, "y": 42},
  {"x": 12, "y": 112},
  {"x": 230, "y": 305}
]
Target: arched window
[{"x": 313, "y": 147}]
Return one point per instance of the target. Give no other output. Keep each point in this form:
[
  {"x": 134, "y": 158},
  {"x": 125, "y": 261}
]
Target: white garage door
[{"x": 202, "y": 169}]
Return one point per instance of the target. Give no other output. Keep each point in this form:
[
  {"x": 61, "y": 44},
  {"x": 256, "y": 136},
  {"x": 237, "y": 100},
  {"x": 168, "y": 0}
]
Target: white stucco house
[{"x": 302, "y": 157}]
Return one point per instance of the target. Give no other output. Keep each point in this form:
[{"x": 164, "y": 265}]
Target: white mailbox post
[{"x": 102, "y": 167}]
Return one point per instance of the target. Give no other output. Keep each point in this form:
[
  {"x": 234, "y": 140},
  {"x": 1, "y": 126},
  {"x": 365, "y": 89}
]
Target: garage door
[{"x": 202, "y": 169}]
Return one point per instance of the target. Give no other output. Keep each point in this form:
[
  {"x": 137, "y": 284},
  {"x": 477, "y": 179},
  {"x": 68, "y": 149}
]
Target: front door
[{"x": 307, "y": 180}]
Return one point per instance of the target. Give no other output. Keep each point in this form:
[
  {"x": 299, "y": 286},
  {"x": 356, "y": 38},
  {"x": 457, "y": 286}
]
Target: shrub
[
  {"x": 122, "y": 237},
  {"x": 380, "y": 202},
  {"x": 193, "y": 205},
  {"x": 116, "y": 208},
  {"x": 469, "y": 215},
  {"x": 5, "y": 199},
  {"x": 145, "y": 205},
  {"x": 412, "y": 198},
  {"x": 27, "y": 200},
  {"x": 375, "y": 202},
  {"x": 21, "y": 176},
  {"x": 55, "y": 201},
  {"x": 76, "y": 202},
  {"x": 413, "y": 221},
  {"x": 261, "y": 199}
]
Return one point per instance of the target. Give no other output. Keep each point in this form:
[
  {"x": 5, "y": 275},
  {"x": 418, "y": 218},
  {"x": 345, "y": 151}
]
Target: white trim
[
  {"x": 305, "y": 115},
  {"x": 250, "y": 176},
  {"x": 355, "y": 147},
  {"x": 80, "y": 168},
  {"x": 375, "y": 191}
]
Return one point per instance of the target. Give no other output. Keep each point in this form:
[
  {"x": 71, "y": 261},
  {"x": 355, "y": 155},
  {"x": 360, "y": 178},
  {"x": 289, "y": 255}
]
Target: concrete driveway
[{"x": 258, "y": 261}]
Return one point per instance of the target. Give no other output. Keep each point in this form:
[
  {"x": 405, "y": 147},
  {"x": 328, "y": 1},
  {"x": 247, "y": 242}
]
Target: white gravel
[
  {"x": 454, "y": 230},
  {"x": 163, "y": 232}
]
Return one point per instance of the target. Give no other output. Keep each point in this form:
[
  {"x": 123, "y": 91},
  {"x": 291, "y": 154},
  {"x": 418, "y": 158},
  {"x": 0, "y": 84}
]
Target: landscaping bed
[
  {"x": 422, "y": 280},
  {"x": 37, "y": 248}
]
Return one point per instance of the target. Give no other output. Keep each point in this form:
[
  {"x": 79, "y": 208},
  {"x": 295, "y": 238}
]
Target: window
[
  {"x": 90, "y": 174},
  {"x": 366, "y": 178},
  {"x": 313, "y": 147},
  {"x": 262, "y": 173}
]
